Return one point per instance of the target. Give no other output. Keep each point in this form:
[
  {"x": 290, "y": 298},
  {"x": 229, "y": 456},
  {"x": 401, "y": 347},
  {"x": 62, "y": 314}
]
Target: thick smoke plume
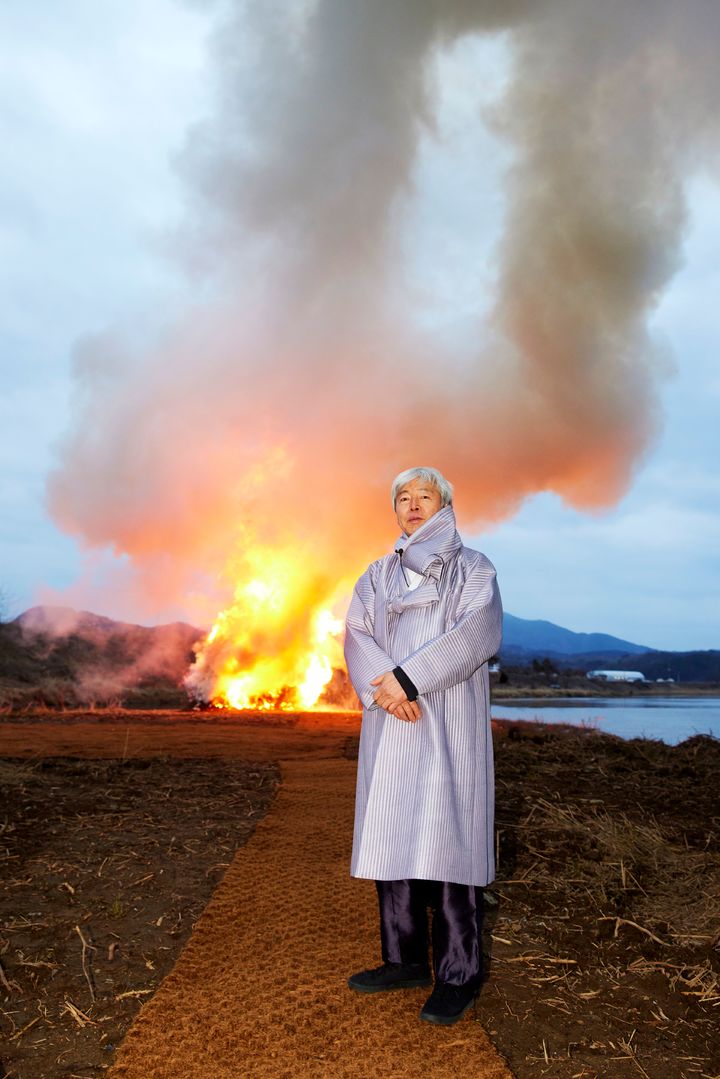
[{"x": 298, "y": 378}]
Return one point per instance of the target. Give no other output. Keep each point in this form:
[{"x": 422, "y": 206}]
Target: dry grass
[
  {"x": 606, "y": 929},
  {"x": 105, "y": 866},
  {"x": 674, "y": 888},
  {"x": 603, "y": 925}
]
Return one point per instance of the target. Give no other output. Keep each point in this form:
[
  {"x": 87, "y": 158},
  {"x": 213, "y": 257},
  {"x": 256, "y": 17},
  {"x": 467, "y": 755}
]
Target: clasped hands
[{"x": 391, "y": 697}]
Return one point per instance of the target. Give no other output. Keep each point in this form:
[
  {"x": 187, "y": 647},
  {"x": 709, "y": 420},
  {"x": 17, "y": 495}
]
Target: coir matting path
[{"x": 260, "y": 988}]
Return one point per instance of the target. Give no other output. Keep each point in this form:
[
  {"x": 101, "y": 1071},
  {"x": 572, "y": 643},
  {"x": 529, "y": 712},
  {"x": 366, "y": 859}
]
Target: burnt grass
[
  {"x": 602, "y": 930},
  {"x": 106, "y": 865},
  {"x": 604, "y": 924}
]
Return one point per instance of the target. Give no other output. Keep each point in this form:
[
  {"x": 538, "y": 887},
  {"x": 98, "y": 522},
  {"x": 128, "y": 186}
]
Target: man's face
[{"x": 415, "y": 503}]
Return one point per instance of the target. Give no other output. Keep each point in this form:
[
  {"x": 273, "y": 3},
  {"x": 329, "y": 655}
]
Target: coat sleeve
[
  {"x": 364, "y": 657},
  {"x": 475, "y": 637}
]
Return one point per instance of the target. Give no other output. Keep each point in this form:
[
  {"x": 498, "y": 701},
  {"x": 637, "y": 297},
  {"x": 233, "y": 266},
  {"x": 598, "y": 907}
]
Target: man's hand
[
  {"x": 409, "y": 711},
  {"x": 391, "y": 697}
]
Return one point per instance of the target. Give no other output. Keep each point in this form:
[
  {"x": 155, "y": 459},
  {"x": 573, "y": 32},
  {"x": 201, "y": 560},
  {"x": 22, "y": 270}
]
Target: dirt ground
[
  {"x": 602, "y": 932},
  {"x": 106, "y": 866},
  {"x": 605, "y": 947}
]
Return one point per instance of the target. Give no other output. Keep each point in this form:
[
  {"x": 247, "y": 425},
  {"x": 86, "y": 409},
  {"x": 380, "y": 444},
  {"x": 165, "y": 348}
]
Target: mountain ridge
[
  {"x": 60, "y": 657},
  {"x": 541, "y": 635},
  {"x": 527, "y": 635}
]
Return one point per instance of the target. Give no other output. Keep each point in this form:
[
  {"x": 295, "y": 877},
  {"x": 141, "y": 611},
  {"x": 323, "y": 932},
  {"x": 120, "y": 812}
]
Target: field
[{"x": 602, "y": 929}]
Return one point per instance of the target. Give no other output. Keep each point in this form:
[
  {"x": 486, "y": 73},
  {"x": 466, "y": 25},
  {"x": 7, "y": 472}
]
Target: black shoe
[
  {"x": 448, "y": 1003},
  {"x": 390, "y": 976}
]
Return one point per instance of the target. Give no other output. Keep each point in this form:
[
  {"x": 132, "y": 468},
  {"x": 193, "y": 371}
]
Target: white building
[{"x": 617, "y": 676}]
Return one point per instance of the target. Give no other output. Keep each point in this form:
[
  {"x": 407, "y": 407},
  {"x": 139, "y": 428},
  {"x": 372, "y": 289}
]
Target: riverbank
[
  {"x": 578, "y": 686},
  {"x": 602, "y": 930}
]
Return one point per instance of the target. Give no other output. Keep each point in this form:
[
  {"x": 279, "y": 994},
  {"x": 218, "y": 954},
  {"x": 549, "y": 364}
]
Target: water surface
[{"x": 669, "y": 719}]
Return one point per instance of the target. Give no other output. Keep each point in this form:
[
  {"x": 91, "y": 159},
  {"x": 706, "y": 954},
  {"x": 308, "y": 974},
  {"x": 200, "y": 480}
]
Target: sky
[{"x": 97, "y": 108}]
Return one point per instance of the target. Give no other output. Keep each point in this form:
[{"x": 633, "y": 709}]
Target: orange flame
[{"x": 276, "y": 645}]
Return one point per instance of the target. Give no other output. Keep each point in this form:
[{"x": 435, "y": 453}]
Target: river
[{"x": 669, "y": 719}]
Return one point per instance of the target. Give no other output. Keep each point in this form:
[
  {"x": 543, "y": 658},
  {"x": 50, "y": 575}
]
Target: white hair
[{"x": 431, "y": 476}]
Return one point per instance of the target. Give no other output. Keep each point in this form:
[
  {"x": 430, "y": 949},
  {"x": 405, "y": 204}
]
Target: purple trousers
[{"x": 457, "y": 916}]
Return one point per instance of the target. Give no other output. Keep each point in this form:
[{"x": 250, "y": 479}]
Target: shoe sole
[
  {"x": 412, "y": 983},
  {"x": 445, "y": 1020}
]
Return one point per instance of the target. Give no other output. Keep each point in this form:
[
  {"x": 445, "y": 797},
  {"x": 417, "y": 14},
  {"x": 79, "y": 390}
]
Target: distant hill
[
  {"x": 538, "y": 638},
  {"x": 62, "y": 657},
  {"x": 678, "y": 666},
  {"x": 66, "y": 621},
  {"x": 67, "y": 658},
  {"x": 525, "y": 641}
]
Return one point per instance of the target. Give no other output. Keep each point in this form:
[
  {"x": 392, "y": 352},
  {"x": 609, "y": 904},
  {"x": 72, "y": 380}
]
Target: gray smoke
[{"x": 298, "y": 379}]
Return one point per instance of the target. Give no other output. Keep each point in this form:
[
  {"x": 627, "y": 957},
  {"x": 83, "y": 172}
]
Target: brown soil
[
  {"x": 603, "y": 929},
  {"x": 605, "y": 942},
  {"x": 106, "y": 867}
]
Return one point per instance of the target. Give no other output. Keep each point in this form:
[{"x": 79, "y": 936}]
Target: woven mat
[{"x": 260, "y": 988}]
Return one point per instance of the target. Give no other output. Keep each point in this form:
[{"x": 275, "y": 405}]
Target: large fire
[{"x": 277, "y": 644}]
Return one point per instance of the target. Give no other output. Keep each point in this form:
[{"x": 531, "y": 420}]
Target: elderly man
[{"x": 422, "y": 625}]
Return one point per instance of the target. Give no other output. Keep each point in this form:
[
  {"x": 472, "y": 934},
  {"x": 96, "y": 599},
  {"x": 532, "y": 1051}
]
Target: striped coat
[{"x": 425, "y": 790}]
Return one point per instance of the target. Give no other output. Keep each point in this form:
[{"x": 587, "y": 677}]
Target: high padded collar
[{"x": 431, "y": 545}]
